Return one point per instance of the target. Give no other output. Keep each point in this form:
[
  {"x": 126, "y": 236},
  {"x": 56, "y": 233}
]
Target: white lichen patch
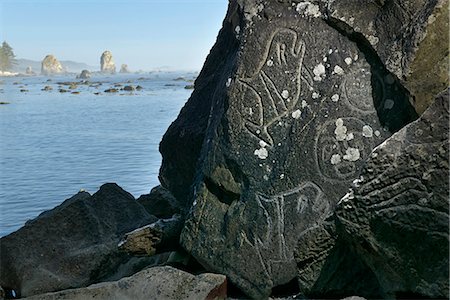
[
  {"x": 237, "y": 30},
  {"x": 335, "y": 98},
  {"x": 315, "y": 95},
  {"x": 335, "y": 159},
  {"x": 367, "y": 131},
  {"x": 350, "y": 137},
  {"x": 296, "y": 114},
  {"x": 308, "y": 9},
  {"x": 338, "y": 70},
  {"x": 348, "y": 61},
  {"x": 228, "y": 82},
  {"x": 262, "y": 153},
  {"x": 373, "y": 40},
  {"x": 352, "y": 154},
  {"x": 304, "y": 104},
  {"x": 341, "y": 130},
  {"x": 281, "y": 176},
  {"x": 285, "y": 94},
  {"x": 269, "y": 63},
  {"x": 389, "y": 104},
  {"x": 377, "y": 133},
  {"x": 319, "y": 72},
  {"x": 262, "y": 144}
]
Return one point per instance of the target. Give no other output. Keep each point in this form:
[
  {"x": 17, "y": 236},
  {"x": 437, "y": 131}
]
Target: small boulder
[
  {"x": 160, "y": 203},
  {"x": 47, "y": 88},
  {"x": 124, "y": 68},
  {"x": 112, "y": 90},
  {"x": 85, "y": 74},
  {"x": 153, "y": 283},
  {"x": 129, "y": 88}
]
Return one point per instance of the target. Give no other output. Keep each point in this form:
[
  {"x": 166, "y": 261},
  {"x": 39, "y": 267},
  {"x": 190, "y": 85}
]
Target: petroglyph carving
[
  {"x": 340, "y": 147},
  {"x": 274, "y": 242},
  {"x": 273, "y": 91}
]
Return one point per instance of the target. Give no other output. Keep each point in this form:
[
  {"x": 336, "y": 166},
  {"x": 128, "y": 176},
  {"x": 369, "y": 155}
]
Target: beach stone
[
  {"x": 160, "y": 203},
  {"x": 396, "y": 215},
  {"x": 72, "y": 245},
  {"x": 277, "y": 128},
  {"x": 85, "y": 74},
  {"x": 107, "y": 64},
  {"x": 50, "y": 65},
  {"x": 152, "y": 283},
  {"x": 124, "y": 68},
  {"x": 410, "y": 37}
]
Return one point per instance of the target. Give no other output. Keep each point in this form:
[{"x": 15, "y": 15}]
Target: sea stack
[
  {"x": 50, "y": 65},
  {"x": 124, "y": 68},
  {"x": 107, "y": 64}
]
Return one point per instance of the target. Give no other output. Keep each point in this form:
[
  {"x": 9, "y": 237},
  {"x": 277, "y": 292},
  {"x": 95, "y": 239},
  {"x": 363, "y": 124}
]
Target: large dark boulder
[
  {"x": 283, "y": 116},
  {"x": 397, "y": 214},
  {"x": 160, "y": 203},
  {"x": 72, "y": 245}
]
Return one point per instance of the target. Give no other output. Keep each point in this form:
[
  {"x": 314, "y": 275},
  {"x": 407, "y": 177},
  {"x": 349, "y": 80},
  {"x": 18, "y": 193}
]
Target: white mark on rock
[
  {"x": 335, "y": 159},
  {"x": 237, "y": 29},
  {"x": 270, "y": 63},
  {"x": 335, "y": 98},
  {"x": 350, "y": 137},
  {"x": 261, "y": 153},
  {"x": 228, "y": 82},
  {"x": 308, "y": 9},
  {"x": 373, "y": 40},
  {"x": 315, "y": 95},
  {"x": 352, "y": 154},
  {"x": 296, "y": 114},
  {"x": 389, "y": 104},
  {"x": 319, "y": 72},
  {"x": 338, "y": 70},
  {"x": 285, "y": 94},
  {"x": 341, "y": 130},
  {"x": 348, "y": 60},
  {"x": 282, "y": 176},
  {"x": 367, "y": 131},
  {"x": 265, "y": 177},
  {"x": 304, "y": 104},
  {"x": 377, "y": 133},
  {"x": 262, "y": 144}
]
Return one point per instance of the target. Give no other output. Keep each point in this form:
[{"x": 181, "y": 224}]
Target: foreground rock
[
  {"x": 283, "y": 116},
  {"x": 160, "y": 203},
  {"x": 107, "y": 64},
  {"x": 50, "y": 65},
  {"x": 397, "y": 213},
  {"x": 72, "y": 245},
  {"x": 153, "y": 283}
]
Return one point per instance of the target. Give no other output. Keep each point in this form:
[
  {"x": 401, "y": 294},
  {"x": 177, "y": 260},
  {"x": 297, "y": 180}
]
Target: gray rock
[
  {"x": 29, "y": 71},
  {"x": 85, "y": 74},
  {"x": 279, "y": 125},
  {"x": 107, "y": 64},
  {"x": 152, "y": 283},
  {"x": 50, "y": 65},
  {"x": 410, "y": 37},
  {"x": 160, "y": 203},
  {"x": 396, "y": 214},
  {"x": 124, "y": 69},
  {"x": 129, "y": 88},
  {"x": 72, "y": 245}
]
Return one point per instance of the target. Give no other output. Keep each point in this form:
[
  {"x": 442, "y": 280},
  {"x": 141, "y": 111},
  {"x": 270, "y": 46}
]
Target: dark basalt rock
[
  {"x": 281, "y": 120},
  {"x": 397, "y": 213},
  {"x": 160, "y": 203},
  {"x": 72, "y": 245}
]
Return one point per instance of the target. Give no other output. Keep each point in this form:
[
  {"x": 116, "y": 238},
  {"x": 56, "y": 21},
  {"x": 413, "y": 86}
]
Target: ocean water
[{"x": 53, "y": 144}]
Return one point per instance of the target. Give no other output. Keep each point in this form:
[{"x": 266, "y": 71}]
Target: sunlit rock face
[
  {"x": 107, "y": 64},
  {"x": 50, "y": 65}
]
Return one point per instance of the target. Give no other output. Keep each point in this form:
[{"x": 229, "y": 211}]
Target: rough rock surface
[
  {"x": 410, "y": 37},
  {"x": 85, "y": 74},
  {"x": 50, "y": 65},
  {"x": 107, "y": 64},
  {"x": 153, "y": 283},
  {"x": 281, "y": 120},
  {"x": 160, "y": 203},
  {"x": 72, "y": 245},
  {"x": 397, "y": 213},
  {"x": 124, "y": 68}
]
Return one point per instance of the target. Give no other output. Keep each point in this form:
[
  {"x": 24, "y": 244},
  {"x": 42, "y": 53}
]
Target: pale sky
[{"x": 145, "y": 34}]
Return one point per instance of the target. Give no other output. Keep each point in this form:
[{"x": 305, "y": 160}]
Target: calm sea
[{"x": 53, "y": 144}]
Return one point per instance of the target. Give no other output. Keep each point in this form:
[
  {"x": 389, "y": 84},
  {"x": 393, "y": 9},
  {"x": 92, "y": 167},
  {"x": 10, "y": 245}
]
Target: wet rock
[
  {"x": 129, "y": 88},
  {"x": 160, "y": 203},
  {"x": 4, "y": 103},
  {"x": 111, "y": 91},
  {"x": 72, "y": 86},
  {"x": 124, "y": 69},
  {"x": 417, "y": 54},
  {"x": 47, "y": 88},
  {"x": 24, "y": 90},
  {"x": 139, "y": 88},
  {"x": 153, "y": 283},
  {"x": 277, "y": 128},
  {"x": 72, "y": 245},
  {"x": 396, "y": 214},
  {"x": 63, "y": 90},
  {"x": 50, "y": 65},
  {"x": 85, "y": 74},
  {"x": 189, "y": 87},
  {"x": 75, "y": 93},
  {"x": 107, "y": 64}
]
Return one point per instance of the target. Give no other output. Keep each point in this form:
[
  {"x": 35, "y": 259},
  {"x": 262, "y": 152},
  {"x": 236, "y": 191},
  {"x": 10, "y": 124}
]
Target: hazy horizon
[{"x": 144, "y": 34}]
